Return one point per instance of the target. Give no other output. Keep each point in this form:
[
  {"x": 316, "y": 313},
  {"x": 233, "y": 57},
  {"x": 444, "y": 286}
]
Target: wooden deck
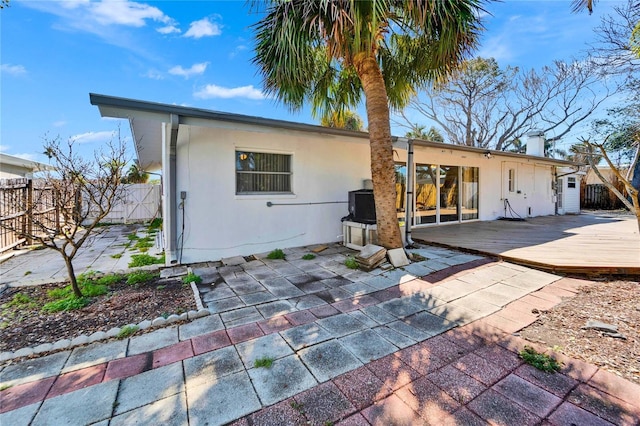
[{"x": 586, "y": 243}]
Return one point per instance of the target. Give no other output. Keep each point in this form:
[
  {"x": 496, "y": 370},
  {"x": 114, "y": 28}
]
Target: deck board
[{"x": 587, "y": 243}]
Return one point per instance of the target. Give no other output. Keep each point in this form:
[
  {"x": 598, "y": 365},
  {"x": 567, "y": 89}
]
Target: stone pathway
[{"x": 348, "y": 347}]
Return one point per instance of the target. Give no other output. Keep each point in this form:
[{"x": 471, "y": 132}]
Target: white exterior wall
[{"x": 218, "y": 223}]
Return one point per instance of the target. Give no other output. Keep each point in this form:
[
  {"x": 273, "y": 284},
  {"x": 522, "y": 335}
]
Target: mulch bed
[{"x": 26, "y": 325}]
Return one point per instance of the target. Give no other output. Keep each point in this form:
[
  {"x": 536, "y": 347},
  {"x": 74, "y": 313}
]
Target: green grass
[
  {"x": 156, "y": 223},
  {"x": 93, "y": 290},
  {"x": 191, "y": 277},
  {"x": 110, "y": 279},
  {"x": 145, "y": 260},
  {"x": 132, "y": 237},
  {"x": 276, "y": 254},
  {"x": 351, "y": 263},
  {"x": 116, "y": 256},
  {"x": 539, "y": 360},
  {"x": 68, "y": 304},
  {"x": 19, "y": 299},
  {"x": 140, "y": 277},
  {"x": 27, "y": 273},
  {"x": 263, "y": 362},
  {"x": 60, "y": 293},
  {"x": 127, "y": 331},
  {"x": 309, "y": 256}
]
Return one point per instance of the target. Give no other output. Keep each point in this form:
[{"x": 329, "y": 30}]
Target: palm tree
[
  {"x": 332, "y": 52},
  {"x": 418, "y": 132},
  {"x": 348, "y": 120}
]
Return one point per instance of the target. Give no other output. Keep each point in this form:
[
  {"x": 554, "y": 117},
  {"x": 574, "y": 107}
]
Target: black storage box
[{"x": 362, "y": 207}]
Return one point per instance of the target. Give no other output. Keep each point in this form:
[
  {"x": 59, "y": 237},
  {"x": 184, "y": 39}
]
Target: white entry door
[{"x": 517, "y": 189}]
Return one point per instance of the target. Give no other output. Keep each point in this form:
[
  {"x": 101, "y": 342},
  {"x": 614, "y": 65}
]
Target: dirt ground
[
  {"x": 26, "y": 325},
  {"x": 615, "y": 302}
]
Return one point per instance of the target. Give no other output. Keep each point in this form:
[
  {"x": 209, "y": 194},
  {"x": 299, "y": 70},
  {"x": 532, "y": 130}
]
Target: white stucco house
[
  {"x": 12, "y": 167},
  {"x": 240, "y": 185}
]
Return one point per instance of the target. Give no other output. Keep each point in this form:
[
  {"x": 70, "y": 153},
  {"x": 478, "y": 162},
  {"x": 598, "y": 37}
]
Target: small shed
[{"x": 568, "y": 190}]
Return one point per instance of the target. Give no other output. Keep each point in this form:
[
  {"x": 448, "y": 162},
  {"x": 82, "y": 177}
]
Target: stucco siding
[{"x": 218, "y": 223}]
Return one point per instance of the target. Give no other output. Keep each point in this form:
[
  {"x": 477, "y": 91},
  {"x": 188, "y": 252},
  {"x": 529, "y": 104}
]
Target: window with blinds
[{"x": 262, "y": 173}]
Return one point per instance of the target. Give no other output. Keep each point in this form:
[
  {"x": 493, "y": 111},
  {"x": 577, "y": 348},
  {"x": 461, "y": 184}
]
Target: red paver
[
  {"x": 575, "y": 368},
  {"x": 414, "y": 286},
  {"x": 557, "y": 291},
  {"x": 507, "y": 325},
  {"x": 420, "y": 358},
  {"x": 569, "y": 414},
  {"x": 524, "y": 307},
  {"x": 282, "y": 413},
  {"x": 240, "y": 422},
  {"x": 463, "y": 417},
  {"x": 427, "y": 399},
  {"x": 556, "y": 383},
  {"x": 480, "y": 369},
  {"x": 275, "y": 324},
  {"x": 361, "y": 387},
  {"x": 571, "y": 284},
  {"x": 300, "y": 317},
  {"x": 324, "y": 311},
  {"x": 499, "y": 410},
  {"x": 460, "y": 386},
  {"x": 498, "y": 355},
  {"x": 442, "y": 348},
  {"x": 616, "y": 386},
  {"x": 324, "y": 404},
  {"x": 210, "y": 342},
  {"x": 387, "y": 294},
  {"x": 130, "y": 366},
  {"x": 393, "y": 372},
  {"x": 537, "y": 302},
  {"x": 513, "y": 314},
  {"x": 78, "y": 379},
  {"x": 25, "y": 394},
  {"x": 604, "y": 405},
  {"x": 528, "y": 395},
  {"x": 487, "y": 332},
  {"x": 548, "y": 296},
  {"x": 464, "y": 339},
  {"x": 173, "y": 353},
  {"x": 244, "y": 332},
  {"x": 352, "y": 304},
  {"x": 391, "y": 411},
  {"x": 355, "y": 420}
]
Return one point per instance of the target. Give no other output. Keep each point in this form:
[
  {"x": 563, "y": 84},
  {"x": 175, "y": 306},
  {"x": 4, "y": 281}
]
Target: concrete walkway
[{"x": 430, "y": 344}]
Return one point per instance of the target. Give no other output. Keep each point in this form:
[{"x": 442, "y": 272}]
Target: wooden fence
[
  {"x": 598, "y": 196},
  {"x": 18, "y": 197}
]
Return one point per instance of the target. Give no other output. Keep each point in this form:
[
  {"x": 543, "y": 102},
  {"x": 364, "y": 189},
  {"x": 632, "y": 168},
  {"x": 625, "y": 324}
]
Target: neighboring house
[
  {"x": 239, "y": 185},
  {"x": 15, "y": 167},
  {"x": 592, "y": 178}
]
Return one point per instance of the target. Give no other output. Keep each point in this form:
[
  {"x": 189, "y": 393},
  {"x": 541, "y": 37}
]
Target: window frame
[
  {"x": 571, "y": 182},
  {"x": 238, "y": 151}
]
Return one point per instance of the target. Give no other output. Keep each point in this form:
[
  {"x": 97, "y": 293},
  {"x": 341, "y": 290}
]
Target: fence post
[{"x": 29, "y": 212}]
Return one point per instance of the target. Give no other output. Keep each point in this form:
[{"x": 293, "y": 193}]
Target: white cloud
[
  {"x": 13, "y": 69},
  {"x": 237, "y": 50},
  {"x": 126, "y": 13},
  {"x": 91, "y": 137},
  {"x": 203, "y": 28},
  {"x": 212, "y": 91},
  {"x": 196, "y": 69},
  {"x": 169, "y": 29},
  {"x": 154, "y": 75},
  {"x": 3, "y": 148}
]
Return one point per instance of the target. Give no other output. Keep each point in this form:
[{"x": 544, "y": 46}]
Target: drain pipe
[{"x": 408, "y": 219}]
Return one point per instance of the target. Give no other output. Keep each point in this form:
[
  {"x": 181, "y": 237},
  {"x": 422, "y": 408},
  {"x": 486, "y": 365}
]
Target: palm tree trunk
[{"x": 382, "y": 165}]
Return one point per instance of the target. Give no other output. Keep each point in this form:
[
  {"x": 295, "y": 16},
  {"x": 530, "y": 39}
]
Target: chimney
[{"x": 535, "y": 143}]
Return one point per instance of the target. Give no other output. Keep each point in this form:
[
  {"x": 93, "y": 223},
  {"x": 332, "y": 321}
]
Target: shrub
[
  {"x": 351, "y": 263},
  {"x": 140, "y": 277},
  {"x": 540, "y": 361},
  {"x": 156, "y": 223},
  {"x": 191, "y": 277},
  {"x": 309, "y": 256},
  {"x": 93, "y": 290},
  {"x": 60, "y": 293},
  {"x": 127, "y": 331},
  {"x": 145, "y": 260},
  {"x": 276, "y": 254},
  {"x": 69, "y": 304}
]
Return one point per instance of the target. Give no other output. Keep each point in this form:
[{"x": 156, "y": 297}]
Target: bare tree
[
  {"x": 84, "y": 191},
  {"x": 485, "y": 106}
]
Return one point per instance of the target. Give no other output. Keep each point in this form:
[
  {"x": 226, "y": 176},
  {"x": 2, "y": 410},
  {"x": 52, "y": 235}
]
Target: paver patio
[{"x": 379, "y": 348}]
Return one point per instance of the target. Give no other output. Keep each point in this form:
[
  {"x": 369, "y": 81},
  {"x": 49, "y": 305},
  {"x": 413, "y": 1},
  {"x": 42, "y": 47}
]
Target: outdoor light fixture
[
  {"x": 243, "y": 156},
  {"x": 487, "y": 154}
]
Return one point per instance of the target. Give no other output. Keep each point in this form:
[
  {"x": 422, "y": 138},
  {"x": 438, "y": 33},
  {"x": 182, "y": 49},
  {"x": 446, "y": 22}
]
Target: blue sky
[{"x": 192, "y": 53}]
